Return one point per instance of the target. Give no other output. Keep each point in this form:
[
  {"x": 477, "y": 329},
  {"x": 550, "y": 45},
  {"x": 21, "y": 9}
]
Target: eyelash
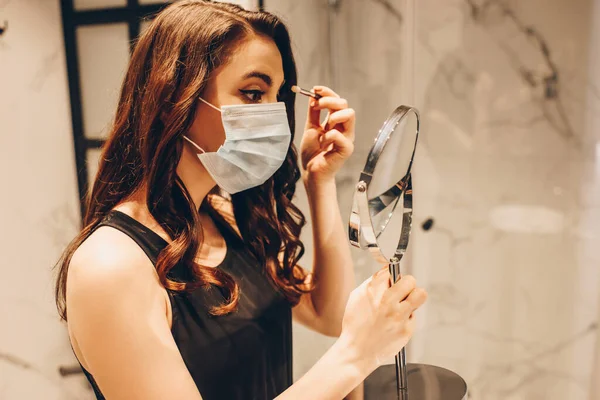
[{"x": 253, "y": 93}]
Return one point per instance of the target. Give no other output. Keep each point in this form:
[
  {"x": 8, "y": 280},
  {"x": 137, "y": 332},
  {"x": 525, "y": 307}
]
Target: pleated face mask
[{"x": 257, "y": 139}]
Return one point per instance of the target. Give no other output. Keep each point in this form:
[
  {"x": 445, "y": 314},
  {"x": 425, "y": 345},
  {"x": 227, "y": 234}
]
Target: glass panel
[
  {"x": 103, "y": 57},
  {"x": 92, "y": 161},
  {"x": 95, "y": 4}
]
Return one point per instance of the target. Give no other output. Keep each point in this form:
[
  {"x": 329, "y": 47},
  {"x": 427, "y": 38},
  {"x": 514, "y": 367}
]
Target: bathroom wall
[
  {"x": 38, "y": 202},
  {"x": 510, "y": 177},
  {"x": 593, "y": 124},
  {"x": 507, "y": 168}
]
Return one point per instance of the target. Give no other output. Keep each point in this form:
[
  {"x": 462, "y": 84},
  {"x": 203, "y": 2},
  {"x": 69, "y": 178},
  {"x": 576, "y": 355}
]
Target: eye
[{"x": 253, "y": 95}]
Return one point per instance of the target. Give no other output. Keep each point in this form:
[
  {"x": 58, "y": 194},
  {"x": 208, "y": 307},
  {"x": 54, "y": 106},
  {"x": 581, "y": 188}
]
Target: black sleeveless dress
[{"x": 243, "y": 355}]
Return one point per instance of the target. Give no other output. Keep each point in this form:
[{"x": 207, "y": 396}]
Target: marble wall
[
  {"x": 510, "y": 175},
  {"x": 507, "y": 168},
  {"x": 38, "y": 206}
]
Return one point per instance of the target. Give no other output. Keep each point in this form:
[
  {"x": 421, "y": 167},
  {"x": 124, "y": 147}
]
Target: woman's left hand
[{"x": 325, "y": 147}]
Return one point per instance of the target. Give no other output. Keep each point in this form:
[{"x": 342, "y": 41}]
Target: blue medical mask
[{"x": 257, "y": 139}]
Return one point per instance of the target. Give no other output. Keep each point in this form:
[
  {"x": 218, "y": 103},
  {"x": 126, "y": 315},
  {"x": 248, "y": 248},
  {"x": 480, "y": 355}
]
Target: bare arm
[
  {"x": 323, "y": 309},
  {"x": 324, "y": 149},
  {"x": 116, "y": 313},
  {"x": 335, "y": 375}
]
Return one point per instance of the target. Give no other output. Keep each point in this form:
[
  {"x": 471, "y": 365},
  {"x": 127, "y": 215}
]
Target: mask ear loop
[
  {"x": 208, "y": 104},
  {"x": 194, "y": 144},
  {"x": 190, "y": 140}
]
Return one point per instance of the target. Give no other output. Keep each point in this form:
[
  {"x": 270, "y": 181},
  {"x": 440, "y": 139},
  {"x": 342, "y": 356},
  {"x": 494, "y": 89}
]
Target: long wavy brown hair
[{"x": 169, "y": 68}]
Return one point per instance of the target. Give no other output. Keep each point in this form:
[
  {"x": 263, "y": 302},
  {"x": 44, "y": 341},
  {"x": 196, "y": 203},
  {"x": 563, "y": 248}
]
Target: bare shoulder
[
  {"x": 109, "y": 255},
  {"x": 110, "y": 267}
]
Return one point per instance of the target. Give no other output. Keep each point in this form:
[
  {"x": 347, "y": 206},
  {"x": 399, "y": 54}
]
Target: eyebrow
[{"x": 264, "y": 77}]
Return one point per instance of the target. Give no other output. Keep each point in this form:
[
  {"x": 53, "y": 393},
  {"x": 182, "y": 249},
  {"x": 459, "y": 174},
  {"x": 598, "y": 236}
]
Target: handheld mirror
[
  {"x": 381, "y": 222},
  {"x": 383, "y": 196}
]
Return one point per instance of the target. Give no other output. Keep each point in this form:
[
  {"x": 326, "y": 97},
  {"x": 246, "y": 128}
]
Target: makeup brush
[{"x": 298, "y": 89}]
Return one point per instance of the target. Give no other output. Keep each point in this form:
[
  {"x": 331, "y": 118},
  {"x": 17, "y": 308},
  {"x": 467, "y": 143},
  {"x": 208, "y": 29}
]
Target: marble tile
[{"x": 513, "y": 305}]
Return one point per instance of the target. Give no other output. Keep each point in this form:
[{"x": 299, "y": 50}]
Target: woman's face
[{"x": 254, "y": 74}]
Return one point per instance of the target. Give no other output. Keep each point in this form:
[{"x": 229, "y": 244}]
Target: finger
[
  {"x": 383, "y": 270},
  {"x": 408, "y": 327},
  {"x": 378, "y": 284},
  {"x": 330, "y": 103},
  {"x": 401, "y": 289},
  {"x": 324, "y": 91},
  {"x": 329, "y": 137},
  {"x": 379, "y": 275},
  {"x": 415, "y": 299},
  {"x": 341, "y": 143},
  {"x": 346, "y": 118},
  {"x": 314, "y": 115}
]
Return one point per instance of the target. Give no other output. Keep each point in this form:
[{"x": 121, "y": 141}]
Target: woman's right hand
[{"x": 379, "y": 320}]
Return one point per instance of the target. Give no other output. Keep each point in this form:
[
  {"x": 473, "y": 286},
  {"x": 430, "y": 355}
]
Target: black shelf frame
[{"x": 132, "y": 14}]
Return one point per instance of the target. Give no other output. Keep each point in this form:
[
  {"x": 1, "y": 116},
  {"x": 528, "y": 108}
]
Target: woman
[{"x": 176, "y": 290}]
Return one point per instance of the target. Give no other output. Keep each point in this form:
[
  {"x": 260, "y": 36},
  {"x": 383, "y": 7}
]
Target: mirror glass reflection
[{"x": 385, "y": 192}]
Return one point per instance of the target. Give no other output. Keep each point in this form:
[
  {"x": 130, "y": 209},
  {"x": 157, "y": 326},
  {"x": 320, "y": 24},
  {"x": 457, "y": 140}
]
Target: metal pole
[{"x": 401, "y": 374}]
